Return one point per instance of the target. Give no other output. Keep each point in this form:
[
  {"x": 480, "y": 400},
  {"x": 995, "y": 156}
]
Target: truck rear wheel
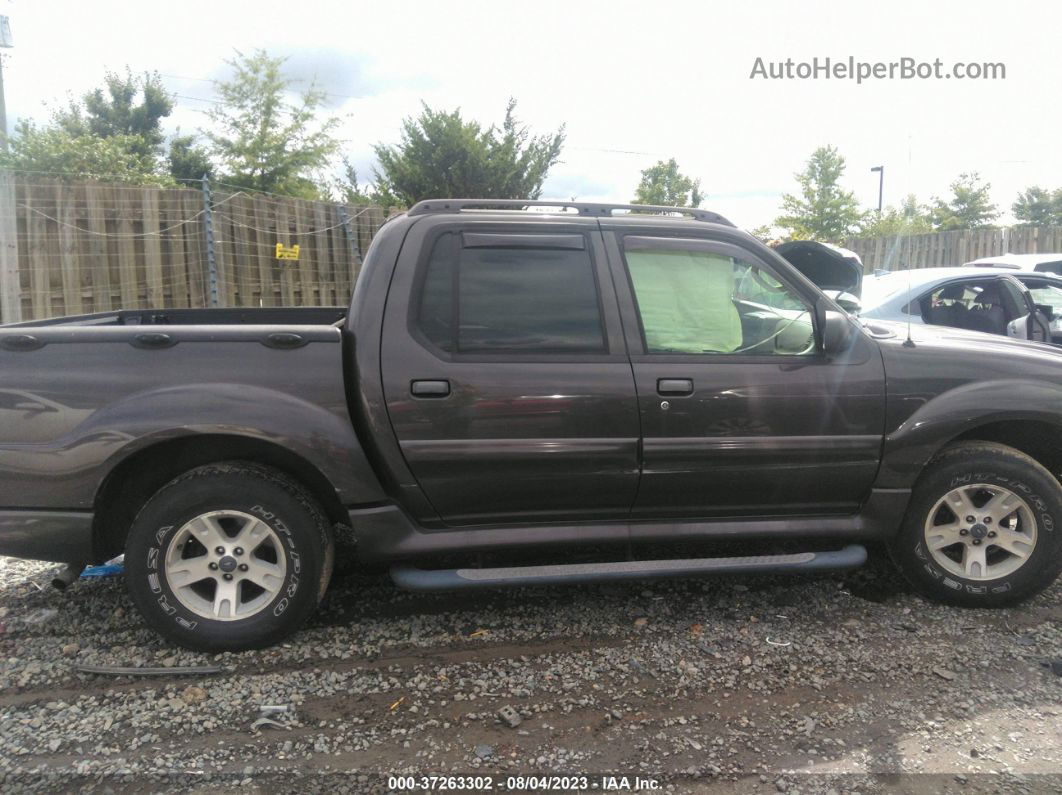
[
  {"x": 228, "y": 556},
  {"x": 980, "y": 528}
]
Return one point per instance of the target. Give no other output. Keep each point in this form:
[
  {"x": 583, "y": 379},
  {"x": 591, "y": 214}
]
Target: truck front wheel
[
  {"x": 981, "y": 528},
  {"x": 228, "y": 556}
]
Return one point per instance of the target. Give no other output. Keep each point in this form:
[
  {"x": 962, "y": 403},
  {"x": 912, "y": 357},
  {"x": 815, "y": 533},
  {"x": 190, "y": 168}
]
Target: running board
[{"x": 414, "y": 579}]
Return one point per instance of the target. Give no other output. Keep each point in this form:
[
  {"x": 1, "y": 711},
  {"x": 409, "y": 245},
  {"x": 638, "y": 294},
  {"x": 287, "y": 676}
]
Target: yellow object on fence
[{"x": 288, "y": 252}]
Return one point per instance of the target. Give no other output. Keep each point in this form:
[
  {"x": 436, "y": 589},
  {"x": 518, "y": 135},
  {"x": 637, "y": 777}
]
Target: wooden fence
[
  {"x": 953, "y": 248},
  {"x": 69, "y": 248}
]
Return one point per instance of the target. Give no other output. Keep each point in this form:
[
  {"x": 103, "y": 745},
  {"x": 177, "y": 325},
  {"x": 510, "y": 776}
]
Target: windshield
[{"x": 879, "y": 289}]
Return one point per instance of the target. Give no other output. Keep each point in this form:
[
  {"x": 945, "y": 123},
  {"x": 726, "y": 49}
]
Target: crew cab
[{"x": 533, "y": 378}]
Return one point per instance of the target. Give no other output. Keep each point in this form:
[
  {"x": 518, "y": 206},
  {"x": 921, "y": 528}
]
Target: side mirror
[
  {"x": 849, "y": 303},
  {"x": 837, "y": 331},
  {"x": 1047, "y": 310}
]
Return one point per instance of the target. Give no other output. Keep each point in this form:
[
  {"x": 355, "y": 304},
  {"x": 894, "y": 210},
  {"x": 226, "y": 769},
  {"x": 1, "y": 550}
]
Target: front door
[
  {"x": 506, "y": 377},
  {"x": 1025, "y": 321},
  {"x": 742, "y": 414}
]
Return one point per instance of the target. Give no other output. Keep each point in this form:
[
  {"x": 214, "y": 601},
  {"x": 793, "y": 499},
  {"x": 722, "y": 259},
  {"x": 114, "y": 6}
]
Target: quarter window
[
  {"x": 516, "y": 299},
  {"x": 692, "y": 299}
]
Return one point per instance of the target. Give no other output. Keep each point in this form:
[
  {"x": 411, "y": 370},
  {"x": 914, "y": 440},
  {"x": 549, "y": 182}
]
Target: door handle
[
  {"x": 674, "y": 386},
  {"x": 430, "y": 389}
]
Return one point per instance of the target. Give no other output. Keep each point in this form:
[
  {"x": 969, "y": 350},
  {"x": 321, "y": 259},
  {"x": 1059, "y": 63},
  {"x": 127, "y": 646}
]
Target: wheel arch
[
  {"x": 1021, "y": 413},
  {"x": 132, "y": 482},
  {"x": 1040, "y": 439}
]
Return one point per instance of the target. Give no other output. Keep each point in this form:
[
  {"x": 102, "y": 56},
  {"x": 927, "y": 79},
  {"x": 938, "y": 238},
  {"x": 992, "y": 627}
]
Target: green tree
[
  {"x": 823, "y": 210},
  {"x": 349, "y": 190},
  {"x": 970, "y": 206},
  {"x": 187, "y": 159},
  {"x": 116, "y": 158},
  {"x": 1038, "y": 207},
  {"x": 441, "y": 155},
  {"x": 264, "y": 142},
  {"x": 910, "y": 218},
  {"x": 664, "y": 184},
  {"x": 126, "y": 106}
]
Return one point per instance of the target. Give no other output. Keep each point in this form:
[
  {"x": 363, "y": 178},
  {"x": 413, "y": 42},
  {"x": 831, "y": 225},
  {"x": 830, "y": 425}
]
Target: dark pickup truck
[{"x": 557, "y": 381}]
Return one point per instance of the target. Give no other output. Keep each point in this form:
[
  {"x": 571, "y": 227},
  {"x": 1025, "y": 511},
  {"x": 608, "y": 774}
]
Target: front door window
[{"x": 695, "y": 300}]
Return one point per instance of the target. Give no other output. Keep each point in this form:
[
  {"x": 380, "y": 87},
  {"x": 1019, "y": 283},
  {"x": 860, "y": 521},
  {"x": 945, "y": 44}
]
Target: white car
[
  {"x": 1040, "y": 263},
  {"x": 1002, "y": 301}
]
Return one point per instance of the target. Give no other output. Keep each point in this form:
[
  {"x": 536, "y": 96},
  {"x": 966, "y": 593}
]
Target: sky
[{"x": 633, "y": 83}]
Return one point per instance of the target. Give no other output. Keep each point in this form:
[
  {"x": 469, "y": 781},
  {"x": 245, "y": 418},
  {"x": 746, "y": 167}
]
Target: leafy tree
[
  {"x": 1038, "y": 207},
  {"x": 263, "y": 141},
  {"x": 664, "y": 184},
  {"x": 116, "y": 158},
  {"x": 125, "y": 106},
  {"x": 969, "y": 207},
  {"x": 187, "y": 159},
  {"x": 441, "y": 155},
  {"x": 349, "y": 190},
  {"x": 823, "y": 210},
  {"x": 910, "y": 218}
]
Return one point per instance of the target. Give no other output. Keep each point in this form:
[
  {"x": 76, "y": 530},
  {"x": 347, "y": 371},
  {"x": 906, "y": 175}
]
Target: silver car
[{"x": 1018, "y": 304}]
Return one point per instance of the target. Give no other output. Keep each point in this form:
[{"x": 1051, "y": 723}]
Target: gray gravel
[{"x": 758, "y": 685}]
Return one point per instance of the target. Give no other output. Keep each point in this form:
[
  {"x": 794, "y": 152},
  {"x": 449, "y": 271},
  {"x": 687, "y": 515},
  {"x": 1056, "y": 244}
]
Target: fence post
[
  {"x": 10, "y": 286},
  {"x": 355, "y": 255},
  {"x": 212, "y": 263}
]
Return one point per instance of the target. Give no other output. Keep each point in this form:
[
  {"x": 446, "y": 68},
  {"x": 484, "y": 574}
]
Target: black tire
[
  {"x": 286, "y": 508},
  {"x": 974, "y": 462}
]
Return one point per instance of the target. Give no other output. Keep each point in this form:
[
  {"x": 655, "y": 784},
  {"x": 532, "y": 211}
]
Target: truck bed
[{"x": 80, "y": 393}]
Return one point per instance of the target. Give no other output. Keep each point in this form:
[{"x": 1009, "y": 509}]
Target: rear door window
[{"x": 484, "y": 294}]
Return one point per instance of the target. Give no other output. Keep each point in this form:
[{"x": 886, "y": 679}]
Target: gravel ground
[{"x": 844, "y": 684}]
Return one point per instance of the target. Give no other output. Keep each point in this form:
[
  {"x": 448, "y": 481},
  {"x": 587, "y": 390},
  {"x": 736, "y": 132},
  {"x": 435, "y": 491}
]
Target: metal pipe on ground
[{"x": 66, "y": 575}]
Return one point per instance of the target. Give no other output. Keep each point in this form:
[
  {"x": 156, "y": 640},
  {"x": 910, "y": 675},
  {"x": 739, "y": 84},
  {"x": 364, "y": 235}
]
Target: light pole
[
  {"x": 5, "y": 42},
  {"x": 881, "y": 183}
]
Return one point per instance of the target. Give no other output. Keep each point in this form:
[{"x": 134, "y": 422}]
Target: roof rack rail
[{"x": 441, "y": 206}]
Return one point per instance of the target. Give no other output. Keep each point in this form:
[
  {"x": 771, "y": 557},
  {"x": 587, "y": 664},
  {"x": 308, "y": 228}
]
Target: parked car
[
  {"x": 1018, "y": 304},
  {"x": 506, "y": 380},
  {"x": 836, "y": 271},
  {"x": 1039, "y": 263}
]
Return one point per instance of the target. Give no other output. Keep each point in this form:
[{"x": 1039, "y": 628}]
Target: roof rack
[{"x": 441, "y": 206}]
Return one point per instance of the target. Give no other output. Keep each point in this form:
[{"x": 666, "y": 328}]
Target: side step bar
[{"x": 413, "y": 579}]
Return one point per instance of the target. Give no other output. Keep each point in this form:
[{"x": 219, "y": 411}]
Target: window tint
[
  {"x": 436, "y": 315},
  {"x": 519, "y": 299},
  {"x": 693, "y": 300}
]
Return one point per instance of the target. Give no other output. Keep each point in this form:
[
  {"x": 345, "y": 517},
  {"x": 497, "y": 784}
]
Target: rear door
[
  {"x": 505, "y": 371},
  {"x": 741, "y": 414}
]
